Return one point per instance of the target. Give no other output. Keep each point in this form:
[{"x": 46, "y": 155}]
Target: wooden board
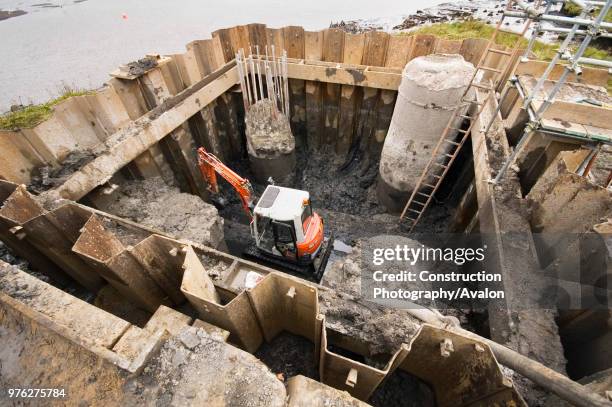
[
  {"x": 349, "y": 96},
  {"x": 353, "y": 48},
  {"x": 276, "y": 39},
  {"x": 375, "y": 53},
  {"x": 578, "y": 113},
  {"x": 258, "y": 37},
  {"x": 313, "y": 45},
  {"x": 293, "y": 39},
  {"x": 226, "y": 43},
  {"x": 444, "y": 46},
  {"x": 423, "y": 45},
  {"x": 398, "y": 50},
  {"x": 240, "y": 38},
  {"x": 375, "y": 48},
  {"x": 333, "y": 51},
  {"x": 472, "y": 49},
  {"x": 293, "y": 43},
  {"x": 314, "y": 117}
]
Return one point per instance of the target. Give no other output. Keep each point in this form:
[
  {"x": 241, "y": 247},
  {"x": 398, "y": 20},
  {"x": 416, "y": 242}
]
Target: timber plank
[
  {"x": 293, "y": 41},
  {"x": 349, "y": 96},
  {"x": 333, "y": 51},
  {"x": 423, "y": 44},
  {"x": 398, "y": 50}
]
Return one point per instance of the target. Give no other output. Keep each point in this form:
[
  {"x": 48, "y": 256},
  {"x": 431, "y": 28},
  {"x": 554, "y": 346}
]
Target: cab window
[
  {"x": 284, "y": 232},
  {"x": 305, "y": 215}
]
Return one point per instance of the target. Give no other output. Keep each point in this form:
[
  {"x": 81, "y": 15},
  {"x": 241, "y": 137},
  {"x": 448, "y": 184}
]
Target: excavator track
[{"x": 313, "y": 271}]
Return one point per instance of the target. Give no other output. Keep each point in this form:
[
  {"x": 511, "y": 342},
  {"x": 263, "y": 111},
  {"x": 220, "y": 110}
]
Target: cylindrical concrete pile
[
  {"x": 270, "y": 144},
  {"x": 429, "y": 92}
]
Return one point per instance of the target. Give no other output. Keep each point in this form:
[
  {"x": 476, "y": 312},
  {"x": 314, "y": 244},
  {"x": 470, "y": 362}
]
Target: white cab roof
[{"x": 282, "y": 204}]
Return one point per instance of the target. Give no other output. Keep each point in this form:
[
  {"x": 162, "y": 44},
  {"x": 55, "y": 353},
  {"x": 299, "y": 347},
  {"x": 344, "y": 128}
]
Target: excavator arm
[{"x": 210, "y": 166}]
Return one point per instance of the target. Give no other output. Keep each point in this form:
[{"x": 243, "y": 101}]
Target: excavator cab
[{"x": 284, "y": 225}]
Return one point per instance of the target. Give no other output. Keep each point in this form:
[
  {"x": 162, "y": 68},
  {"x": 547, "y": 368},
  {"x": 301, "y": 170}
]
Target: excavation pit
[{"x": 148, "y": 251}]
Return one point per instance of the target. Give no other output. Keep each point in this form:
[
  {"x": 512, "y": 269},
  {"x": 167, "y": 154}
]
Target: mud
[
  {"x": 193, "y": 361},
  {"x": 268, "y": 132},
  {"x": 47, "y": 177},
  {"x": 215, "y": 268},
  {"x": 342, "y": 191},
  {"x": 155, "y": 204},
  {"x": 382, "y": 329},
  {"x": 289, "y": 355},
  {"x": 141, "y": 66},
  {"x": 403, "y": 389},
  {"x": 7, "y": 256},
  {"x": 127, "y": 236},
  {"x": 347, "y": 187},
  {"x": 110, "y": 300}
]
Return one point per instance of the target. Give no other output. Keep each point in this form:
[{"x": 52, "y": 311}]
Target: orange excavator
[{"x": 286, "y": 231}]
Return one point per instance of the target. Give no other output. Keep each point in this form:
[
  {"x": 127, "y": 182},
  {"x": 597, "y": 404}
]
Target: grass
[
  {"x": 573, "y": 10},
  {"x": 461, "y": 30},
  {"x": 32, "y": 115},
  {"x": 477, "y": 29}
]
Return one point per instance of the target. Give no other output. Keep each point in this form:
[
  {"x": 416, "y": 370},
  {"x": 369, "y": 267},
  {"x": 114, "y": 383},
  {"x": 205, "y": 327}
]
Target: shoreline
[
  {"x": 6, "y": 14},
  {"x": 488, "y": 11}
]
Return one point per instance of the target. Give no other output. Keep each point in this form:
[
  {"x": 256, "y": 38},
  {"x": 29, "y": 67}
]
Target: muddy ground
[
  {"x": 289, "y": 355},
  {"x": 47, "y": 177},
  {"x": 342, "y": 191},
  {"x": 193, "y": 361},
  {"x": 141, "y": 66},
  {"x": 153, "y": 203},
  {"x": 7, "y": 256}
]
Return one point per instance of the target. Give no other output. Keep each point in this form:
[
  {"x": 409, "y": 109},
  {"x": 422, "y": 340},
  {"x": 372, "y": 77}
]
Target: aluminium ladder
[{"x": 449, "y": 145}]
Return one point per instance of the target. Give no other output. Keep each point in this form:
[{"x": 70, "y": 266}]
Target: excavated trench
[{"x": 343, "y": 191}]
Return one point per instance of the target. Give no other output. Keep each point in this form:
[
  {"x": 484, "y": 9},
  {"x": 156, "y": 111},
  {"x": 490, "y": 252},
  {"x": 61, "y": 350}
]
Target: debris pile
[{"x": 160, "y": 206}]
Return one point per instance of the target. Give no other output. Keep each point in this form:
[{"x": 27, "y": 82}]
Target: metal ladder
[{"x": 442, "y": 158}]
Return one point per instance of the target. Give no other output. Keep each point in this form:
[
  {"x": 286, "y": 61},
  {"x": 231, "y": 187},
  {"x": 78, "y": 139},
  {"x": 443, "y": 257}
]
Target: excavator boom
[{"x": 210, "y": 166}]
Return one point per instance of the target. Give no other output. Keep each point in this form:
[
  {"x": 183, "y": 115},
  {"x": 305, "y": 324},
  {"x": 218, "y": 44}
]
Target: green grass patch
[
  {"x": 571, "y": 9},
  {"x": 461, "y": 30},
  {"x": 32, "y": 115}
]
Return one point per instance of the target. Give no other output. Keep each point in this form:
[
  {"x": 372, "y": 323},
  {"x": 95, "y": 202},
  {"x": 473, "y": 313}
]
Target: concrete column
[
  {"x": 429, "y": 92},
  {"x": 270, "y": 144}
]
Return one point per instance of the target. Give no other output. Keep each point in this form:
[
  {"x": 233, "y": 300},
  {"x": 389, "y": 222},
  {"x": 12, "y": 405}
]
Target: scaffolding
[{"x": 487, "y": 80}]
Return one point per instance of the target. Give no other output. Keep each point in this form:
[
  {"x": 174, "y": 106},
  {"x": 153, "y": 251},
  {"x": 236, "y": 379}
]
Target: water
[{"x": 78, "y": 43}]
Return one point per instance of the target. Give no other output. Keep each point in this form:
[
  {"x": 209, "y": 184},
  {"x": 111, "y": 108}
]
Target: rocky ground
[
  {"x": 155, "y": 204},
  {"x": 486, "y": 10},
  {"x": 6, "y": 14}
]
